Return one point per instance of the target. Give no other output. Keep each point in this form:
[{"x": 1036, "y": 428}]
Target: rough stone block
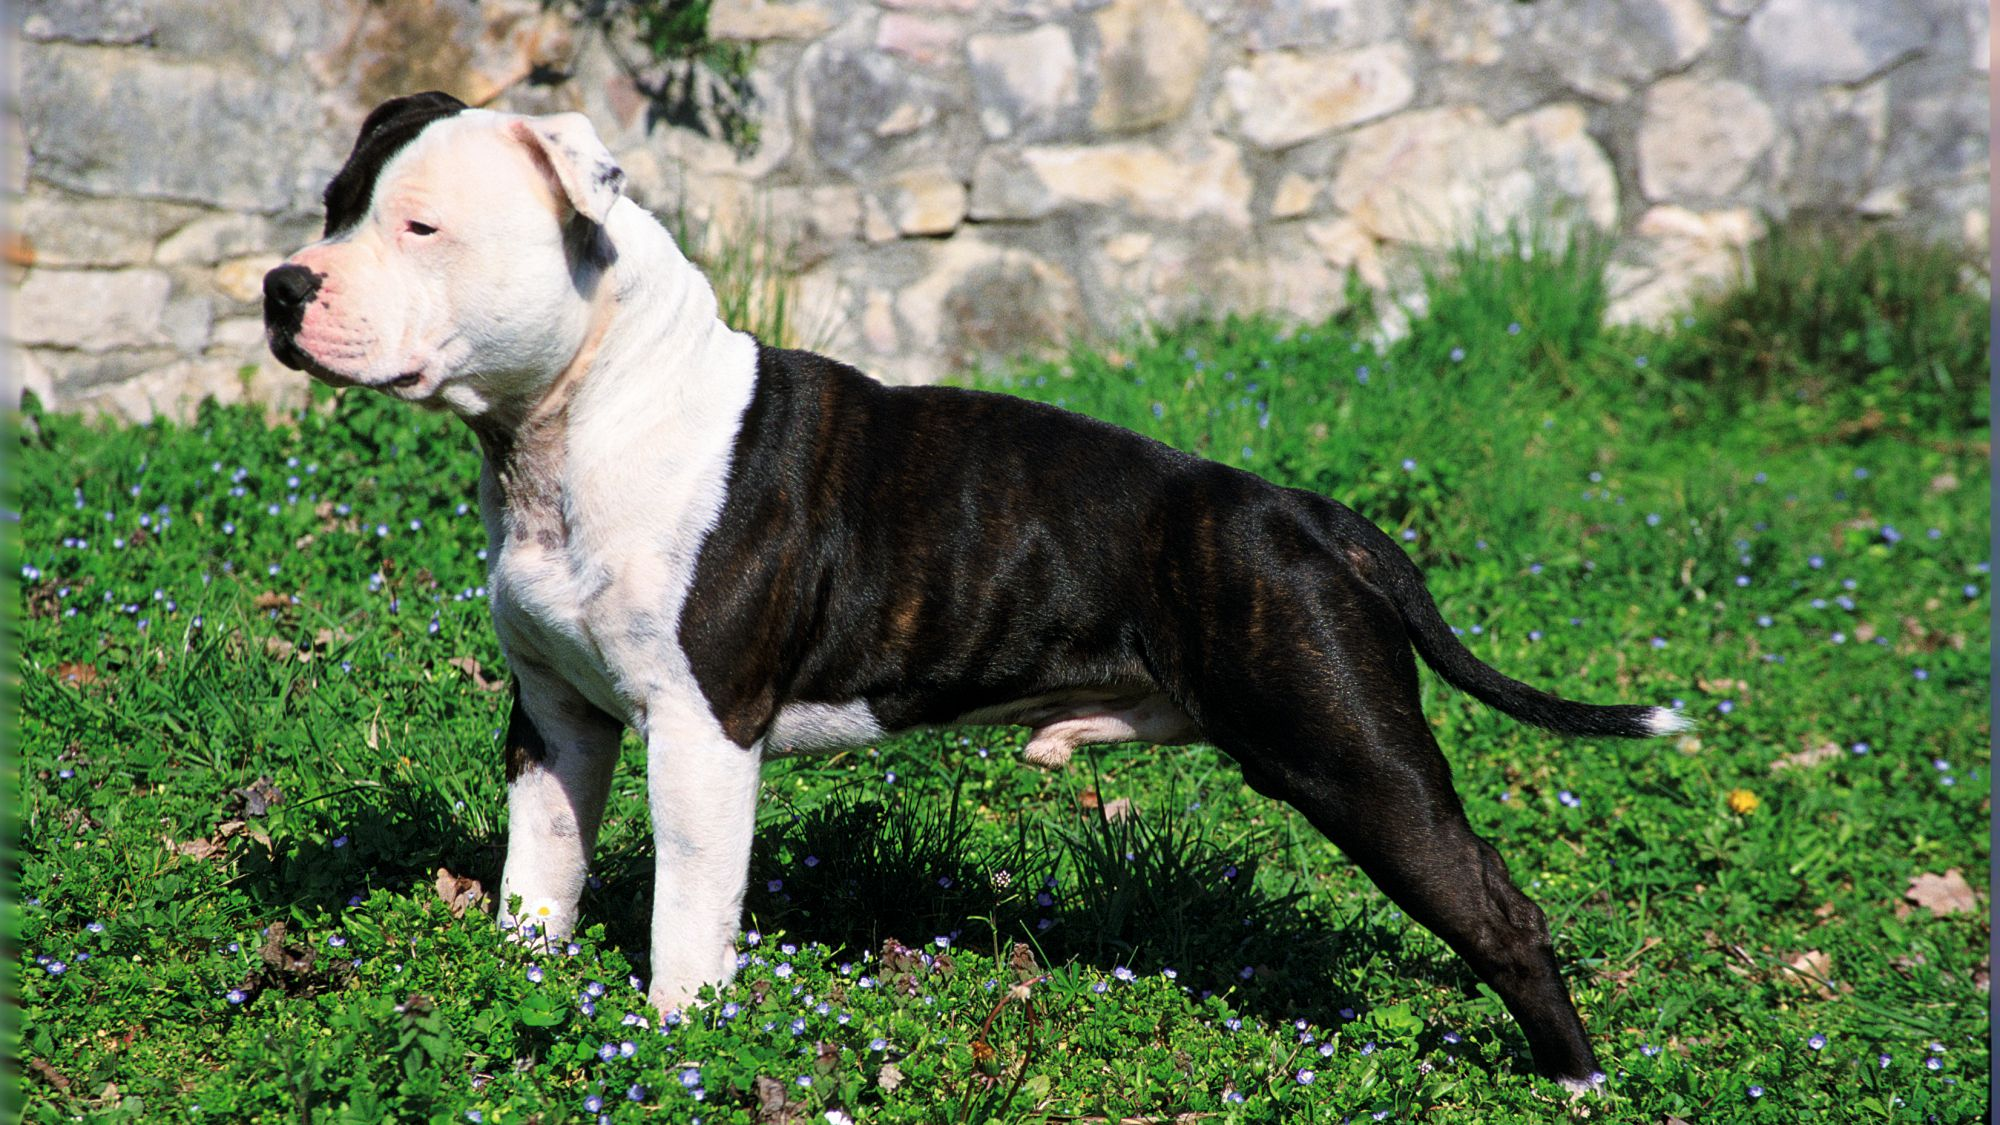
[
  {"x": 91, "y": 310},
  {"x": 1825, "y": 41},
  {"x": 1436, "y": 176},
  {"x": 1204, "y": 179},
  {"x": 109, "y": 122},
  {"x": 63, "y": 230},
  {"x": 1284, "y": 97},
  {"x": 925, "y": 40},
  {"x": 1699, "y": 141},
  {"x": 1152, "y": 56},
  {"x": 927, "y": 202},
  {"x": 755, "y": 20},
  {"x": 1027, "y": 82},
  {"x": 1603, "y": 50},
  {"x": 1276, "y": 24}
]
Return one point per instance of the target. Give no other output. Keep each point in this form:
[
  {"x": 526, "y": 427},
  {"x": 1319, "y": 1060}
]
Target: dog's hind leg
[
  {"x": 1341, "y": 736},
  {"x": 560, "y": 751}
]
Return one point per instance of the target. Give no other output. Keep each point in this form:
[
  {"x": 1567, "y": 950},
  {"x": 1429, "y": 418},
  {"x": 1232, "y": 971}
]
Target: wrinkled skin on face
[{"x": 463, "y": 285}]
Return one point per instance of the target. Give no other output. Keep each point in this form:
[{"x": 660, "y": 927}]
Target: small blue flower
[
  {"x": 235, "y": 996},
  {"x": 635, "y": 1093},
  {"x": 1756, "y": 1091},
  {"x": 607, "y": 1051},
  {"x": 878, "y": 1044},
  {"x": 1569, "y": 799},
  {"x": 1933, "y": 1063},
  {"x": 1816, "y": 1042},
  {"x": 1648, "y": 1050},
  {"x": 1409, "y": 466},
  {"x": 691, "y": 1077},
  {"x": 593, "y": 1104},
  {"x": 1123, "y": 973},
  {"x": 1368, "y": 1048},
  {"x": 1305, "y": 1077}
]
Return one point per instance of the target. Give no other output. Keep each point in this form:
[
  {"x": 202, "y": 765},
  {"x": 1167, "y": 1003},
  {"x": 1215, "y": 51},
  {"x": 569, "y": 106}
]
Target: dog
[{"x": 741, "y": 551}]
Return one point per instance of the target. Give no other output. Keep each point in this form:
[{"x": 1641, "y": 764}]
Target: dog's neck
[{"x": 651, "y": 369}]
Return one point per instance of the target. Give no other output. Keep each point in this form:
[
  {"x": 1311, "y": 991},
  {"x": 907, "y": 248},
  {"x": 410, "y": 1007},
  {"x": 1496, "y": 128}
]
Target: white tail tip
[{"x": 1665, "y": 721}]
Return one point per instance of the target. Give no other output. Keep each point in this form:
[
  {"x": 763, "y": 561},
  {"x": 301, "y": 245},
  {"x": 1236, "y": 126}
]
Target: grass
[{"x": 259, "y": 751}]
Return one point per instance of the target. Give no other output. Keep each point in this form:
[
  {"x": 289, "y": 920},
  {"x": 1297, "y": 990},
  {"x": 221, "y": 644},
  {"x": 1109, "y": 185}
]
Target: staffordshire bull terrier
[{"x": 740, "y": 551}]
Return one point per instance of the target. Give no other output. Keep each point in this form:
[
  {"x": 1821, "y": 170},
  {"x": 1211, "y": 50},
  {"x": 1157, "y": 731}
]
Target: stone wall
[{"x": 954, "y": 180}]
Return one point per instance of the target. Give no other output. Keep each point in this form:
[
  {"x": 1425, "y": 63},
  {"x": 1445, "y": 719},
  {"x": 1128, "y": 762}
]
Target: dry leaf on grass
[
  {"x": 1812, "y": 970},
  {"x": 471, "y": 668},
  {"x": 72, "y": 674},
  {"x": 458, "y": 892},
  {"x": 272, "y": 600},
  {"x": 1942, "y": 894},
  {"x": 1810, "y": 756},
  {"x": 193, "y": 849}
]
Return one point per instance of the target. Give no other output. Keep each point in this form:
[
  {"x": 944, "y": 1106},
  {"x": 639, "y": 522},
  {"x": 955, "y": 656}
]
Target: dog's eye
[{"x": 417, "y": 228}]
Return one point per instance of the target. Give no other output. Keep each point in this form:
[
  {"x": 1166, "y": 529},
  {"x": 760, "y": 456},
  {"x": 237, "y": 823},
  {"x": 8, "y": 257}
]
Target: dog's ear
[{"x": 577, "y": 163}]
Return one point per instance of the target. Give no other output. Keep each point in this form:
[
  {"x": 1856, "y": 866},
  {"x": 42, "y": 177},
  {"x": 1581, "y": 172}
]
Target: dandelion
[{"x": 1743, "y": 801}]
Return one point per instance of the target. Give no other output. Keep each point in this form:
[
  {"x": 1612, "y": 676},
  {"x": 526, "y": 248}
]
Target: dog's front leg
[
  {"x": 703, "y": 792},
  {"x": 560, "y": 753}
]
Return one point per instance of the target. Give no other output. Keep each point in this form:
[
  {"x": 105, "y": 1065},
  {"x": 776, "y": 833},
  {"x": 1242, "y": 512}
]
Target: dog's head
[{"x": 462, "y": 251}]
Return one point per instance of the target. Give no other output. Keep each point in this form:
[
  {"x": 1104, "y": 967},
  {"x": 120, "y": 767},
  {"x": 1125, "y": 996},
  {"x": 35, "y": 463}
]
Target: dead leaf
[
  {"x": 270, "y": 599},
  {"x": 888, "y": 1077},
  {"x": 1722, "y": 686},
  {"x": 256, "y": 798},
  {"x": 1088, "y": 798},
  {"x": 281, "y": 649},
  {"x": 49, "y": 1074},
  {"x": 1118, "y": 809},
  {"x": 1942, "y": 894},
  {"x": 71, "y": 673},
  {"x": 1812, "y": 970},
  {"x": 1810, "y": 756},
  {"x": 458, "y": 892},
  {"x": 471, "y": 668},
  {"x": 193, "y": 849},
  {"x": 774, "y": 1105}
]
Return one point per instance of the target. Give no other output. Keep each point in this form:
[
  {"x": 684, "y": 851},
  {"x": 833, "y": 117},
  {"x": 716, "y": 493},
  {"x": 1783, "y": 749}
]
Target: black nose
[{"x": 286, "y": 291}]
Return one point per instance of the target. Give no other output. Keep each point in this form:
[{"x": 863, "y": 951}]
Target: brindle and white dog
[{"x": 737, "y": 550}]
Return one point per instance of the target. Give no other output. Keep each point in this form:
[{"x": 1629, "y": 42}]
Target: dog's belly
[{"x": 1059, "y": 721}]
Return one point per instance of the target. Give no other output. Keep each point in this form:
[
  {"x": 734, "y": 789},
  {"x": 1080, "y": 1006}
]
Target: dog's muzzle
[{"x": 287, "y": 291}]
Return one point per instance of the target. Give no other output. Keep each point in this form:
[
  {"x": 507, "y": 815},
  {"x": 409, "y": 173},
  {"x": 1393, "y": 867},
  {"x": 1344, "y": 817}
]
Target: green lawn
[{"x": 259, "y": 715}]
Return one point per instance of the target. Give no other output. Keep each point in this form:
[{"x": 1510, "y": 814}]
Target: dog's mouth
[{"x": 289, "y": 353}]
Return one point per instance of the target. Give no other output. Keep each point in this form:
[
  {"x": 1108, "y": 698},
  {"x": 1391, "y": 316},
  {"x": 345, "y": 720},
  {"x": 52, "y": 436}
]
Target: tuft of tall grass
[
  {"x": 749, "y": 265},
  {"x": 1882, "y": 325}
]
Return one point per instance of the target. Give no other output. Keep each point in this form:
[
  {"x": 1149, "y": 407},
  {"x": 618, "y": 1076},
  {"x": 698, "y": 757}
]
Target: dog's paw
[
  {"x": 1048, "y": 753},
  {"x": 1582, "y": 1088}
]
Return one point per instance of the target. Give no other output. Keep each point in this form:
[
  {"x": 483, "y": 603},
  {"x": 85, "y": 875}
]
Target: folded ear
[{"x": 576, "y": 161}]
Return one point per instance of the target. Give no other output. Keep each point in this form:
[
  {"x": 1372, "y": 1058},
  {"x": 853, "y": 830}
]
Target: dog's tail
[{"x": 1444, "y": 652}]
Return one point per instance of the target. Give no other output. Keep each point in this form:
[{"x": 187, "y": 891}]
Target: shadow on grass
[
  {"x": 389, "y": 836},
  {"x": 1146, "y": 893}
]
